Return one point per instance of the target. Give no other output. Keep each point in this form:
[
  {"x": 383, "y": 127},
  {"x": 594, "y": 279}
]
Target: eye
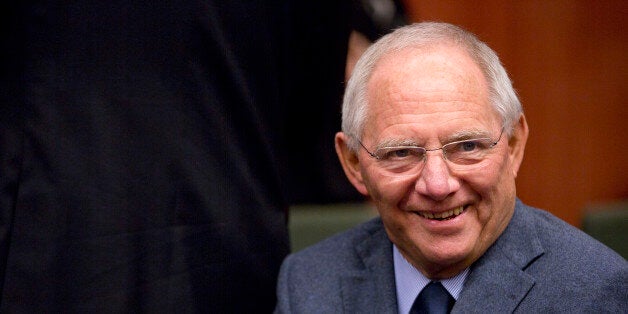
[
  {"x": 468, "y": 146},
  {"x": 400, "y": 153},
  {"x": 397, "y": 153}
]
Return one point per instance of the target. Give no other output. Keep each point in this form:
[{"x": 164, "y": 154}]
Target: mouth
[{"x": 445, "y": 215}]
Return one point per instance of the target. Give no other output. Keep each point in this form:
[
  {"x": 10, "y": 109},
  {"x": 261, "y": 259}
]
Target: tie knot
[{"x": 433, "y": 299}]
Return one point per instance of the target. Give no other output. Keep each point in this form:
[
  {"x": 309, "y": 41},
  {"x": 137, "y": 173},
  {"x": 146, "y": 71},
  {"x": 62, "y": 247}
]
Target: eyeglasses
[{"x": 402, "y": 159}]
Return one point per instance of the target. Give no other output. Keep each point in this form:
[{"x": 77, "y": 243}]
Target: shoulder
[
  {"x": 577, "y": 270},
  {"x": 339, "y": 252},
  {"x": 567, "y": 241},
  {"x": 318, "y": 278}
]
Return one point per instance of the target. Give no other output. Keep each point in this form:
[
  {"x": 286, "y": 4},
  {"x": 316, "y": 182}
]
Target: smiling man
[{"x": 433, "y": 134}]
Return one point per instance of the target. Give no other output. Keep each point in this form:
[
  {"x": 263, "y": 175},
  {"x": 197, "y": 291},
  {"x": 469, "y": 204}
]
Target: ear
[
  {"x": 517, "y": 143},
  {"x": 350, "y": 163}
]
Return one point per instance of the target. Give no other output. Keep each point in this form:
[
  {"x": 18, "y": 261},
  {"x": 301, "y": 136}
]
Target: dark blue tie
[{"x": 433, "y": 299}]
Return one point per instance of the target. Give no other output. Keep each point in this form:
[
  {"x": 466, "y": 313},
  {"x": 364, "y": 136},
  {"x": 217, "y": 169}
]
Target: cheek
[
  {"x": 387, "y": 190},
  {"x": 496, "y": 188}
]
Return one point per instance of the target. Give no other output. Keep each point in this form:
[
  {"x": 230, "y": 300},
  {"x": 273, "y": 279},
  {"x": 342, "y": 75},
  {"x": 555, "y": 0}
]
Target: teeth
[{"x": 444, "y": 215}]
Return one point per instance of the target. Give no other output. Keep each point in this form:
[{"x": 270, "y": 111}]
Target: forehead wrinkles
[
  {"x": 440, "y": 73},
  {"x": 405, "y": 81}
]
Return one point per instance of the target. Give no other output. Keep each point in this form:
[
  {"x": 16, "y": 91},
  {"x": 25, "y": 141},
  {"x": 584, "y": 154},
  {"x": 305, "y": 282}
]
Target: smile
[{"x": 446, "y": 215}]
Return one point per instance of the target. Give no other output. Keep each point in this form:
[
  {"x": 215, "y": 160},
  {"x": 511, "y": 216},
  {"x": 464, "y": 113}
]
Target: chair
[
  {"x": 608, "y": 223},
  {"x": 311, "y": 223}
]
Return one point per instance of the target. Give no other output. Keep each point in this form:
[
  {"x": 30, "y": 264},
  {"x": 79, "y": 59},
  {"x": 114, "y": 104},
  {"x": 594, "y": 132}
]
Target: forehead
[{"x": 433, "y": 86}]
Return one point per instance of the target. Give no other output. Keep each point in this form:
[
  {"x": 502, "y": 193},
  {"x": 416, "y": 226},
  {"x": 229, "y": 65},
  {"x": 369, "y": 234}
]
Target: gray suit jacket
[{"x": 540, "y": 264}]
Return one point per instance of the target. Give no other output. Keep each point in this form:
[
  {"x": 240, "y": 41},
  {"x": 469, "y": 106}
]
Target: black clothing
[{"x": 138, "y": 169}]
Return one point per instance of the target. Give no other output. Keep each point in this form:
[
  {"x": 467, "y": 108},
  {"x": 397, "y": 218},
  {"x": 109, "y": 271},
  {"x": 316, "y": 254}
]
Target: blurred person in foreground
[
  {"x": 138, "y": 157},
  {"x": 433, "y": 133}
]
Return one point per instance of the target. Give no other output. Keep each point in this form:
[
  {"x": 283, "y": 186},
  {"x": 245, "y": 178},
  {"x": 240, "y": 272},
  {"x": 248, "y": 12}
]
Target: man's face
[{"x": 429, "y": 98}]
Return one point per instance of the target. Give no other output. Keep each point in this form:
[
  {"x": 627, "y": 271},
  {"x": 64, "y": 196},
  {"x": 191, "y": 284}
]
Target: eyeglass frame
[{"x": 424, "y": 157}]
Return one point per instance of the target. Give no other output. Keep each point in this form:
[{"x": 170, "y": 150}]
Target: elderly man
[{"x": 433, "y": 133}]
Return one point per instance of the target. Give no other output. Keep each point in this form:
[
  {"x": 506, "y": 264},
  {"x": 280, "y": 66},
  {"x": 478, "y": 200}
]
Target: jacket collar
[
  {"x": 497, "y": 282},
  {"x": 371, "y": 289}
]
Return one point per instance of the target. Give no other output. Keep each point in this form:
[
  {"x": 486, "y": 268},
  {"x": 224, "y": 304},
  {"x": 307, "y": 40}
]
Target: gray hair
[{"x": 427, "y": 34}]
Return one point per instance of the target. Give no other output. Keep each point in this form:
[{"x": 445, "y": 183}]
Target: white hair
[{"x": 423, "y": 35}]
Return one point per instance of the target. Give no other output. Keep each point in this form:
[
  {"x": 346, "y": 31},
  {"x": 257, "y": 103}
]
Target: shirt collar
[{"x": 410, "y": 282}]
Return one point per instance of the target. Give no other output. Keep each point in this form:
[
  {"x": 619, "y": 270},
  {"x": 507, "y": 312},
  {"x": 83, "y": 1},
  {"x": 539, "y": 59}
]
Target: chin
[
  {"x": 443, "y": 267},
  {"x": 436, "y": 260},
  {"x": 449, "y": 257}
]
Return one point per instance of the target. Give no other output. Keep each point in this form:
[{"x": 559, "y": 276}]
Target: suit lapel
[
  {"x": 495, "y": 285},
  {"x": 497, "y": 282},
  {"x": 372, "y": 288}
]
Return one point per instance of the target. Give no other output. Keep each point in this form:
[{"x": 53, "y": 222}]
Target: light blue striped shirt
[{"x": 410, "y": 282}]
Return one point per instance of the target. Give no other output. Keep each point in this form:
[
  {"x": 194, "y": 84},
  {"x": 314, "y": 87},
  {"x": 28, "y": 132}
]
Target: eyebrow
[
  {"x": 396, "y": 142},
  {"x": 457, "y": 136},
  {"x": 466, "y": 135}
]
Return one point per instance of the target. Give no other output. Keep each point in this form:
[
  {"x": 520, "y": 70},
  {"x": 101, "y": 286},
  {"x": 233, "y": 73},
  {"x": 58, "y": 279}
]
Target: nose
[{"x": 435, "y": 180}]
